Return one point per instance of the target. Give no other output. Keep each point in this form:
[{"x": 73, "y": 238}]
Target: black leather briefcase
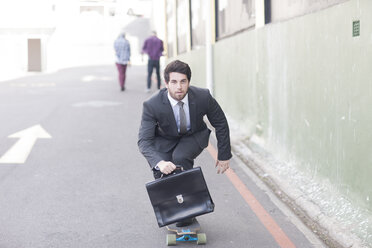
[{"x": 180, "y": 196}]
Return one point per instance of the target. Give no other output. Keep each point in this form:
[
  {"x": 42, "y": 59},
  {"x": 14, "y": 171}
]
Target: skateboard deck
[{"x": 186, "y": 234}]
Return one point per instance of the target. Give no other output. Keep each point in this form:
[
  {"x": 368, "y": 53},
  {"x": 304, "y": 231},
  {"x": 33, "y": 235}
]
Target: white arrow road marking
[{"x": 19, "y": 152}]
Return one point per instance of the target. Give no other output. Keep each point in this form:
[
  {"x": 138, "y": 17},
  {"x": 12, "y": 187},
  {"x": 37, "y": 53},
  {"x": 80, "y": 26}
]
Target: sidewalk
[
  {"x": 106, "y": 174},
  {"x": 298, "y": 192},
  {"x": 266, "y": 168},
  {"x": 310, "y": 200}
]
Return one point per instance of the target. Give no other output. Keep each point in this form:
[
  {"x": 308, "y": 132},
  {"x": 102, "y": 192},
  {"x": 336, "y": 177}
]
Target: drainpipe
[{"x": 208, "y": 44}]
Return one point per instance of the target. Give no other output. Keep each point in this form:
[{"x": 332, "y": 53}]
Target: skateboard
[{"x": 186, "y": 234}]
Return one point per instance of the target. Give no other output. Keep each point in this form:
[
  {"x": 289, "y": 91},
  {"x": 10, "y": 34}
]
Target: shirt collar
[{"x": 174, "y": 102}]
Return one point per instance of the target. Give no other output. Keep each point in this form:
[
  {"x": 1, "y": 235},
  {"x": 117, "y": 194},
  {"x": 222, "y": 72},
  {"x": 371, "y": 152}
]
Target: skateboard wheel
[
  {"x": 202, "y": 239},
  {"x": 171, "y": 239}
]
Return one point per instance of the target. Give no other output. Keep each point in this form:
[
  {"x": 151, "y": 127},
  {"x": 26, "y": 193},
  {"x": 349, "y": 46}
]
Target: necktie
[{"x": 183, "y": 125}]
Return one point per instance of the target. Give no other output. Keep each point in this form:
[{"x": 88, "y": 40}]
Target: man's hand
[
  {"x": 222, "y": 165},
  {"x": 166, "y": 167}
]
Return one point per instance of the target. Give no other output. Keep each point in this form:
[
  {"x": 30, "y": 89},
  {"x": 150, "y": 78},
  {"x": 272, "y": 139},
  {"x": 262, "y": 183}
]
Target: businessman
[{"x": 173, "y": 131}]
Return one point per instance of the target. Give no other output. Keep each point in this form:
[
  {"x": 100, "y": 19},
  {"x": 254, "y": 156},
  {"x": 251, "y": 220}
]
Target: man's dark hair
[{"x": 177, "y": 66}]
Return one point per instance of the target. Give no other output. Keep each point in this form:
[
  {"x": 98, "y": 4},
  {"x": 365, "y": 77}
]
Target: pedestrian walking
[
  {"x": 153, "y": 47},
  {"x": 122, "y": 52},
  {"x": 173, "y": 131}
]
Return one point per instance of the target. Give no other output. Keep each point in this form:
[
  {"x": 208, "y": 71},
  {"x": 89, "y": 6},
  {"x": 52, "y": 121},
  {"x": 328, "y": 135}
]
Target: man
[
  {"x": 172, "y": 130},
  {"x": 122, "y": 52},
  {"x": 153, "y": 46}
]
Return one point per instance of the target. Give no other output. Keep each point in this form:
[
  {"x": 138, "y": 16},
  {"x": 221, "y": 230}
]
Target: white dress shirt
[{"x": 176, "y": 110}]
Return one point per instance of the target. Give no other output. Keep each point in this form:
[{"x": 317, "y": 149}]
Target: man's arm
[
  {"x": 146, "y": 139},
  {"x": 144, "y": 47},
  {"x": 218, "y": 120},
  {"x": 129, "y": 50},
  {"x": 146, "y": 136},
  {"x": 116, "y": 49}
]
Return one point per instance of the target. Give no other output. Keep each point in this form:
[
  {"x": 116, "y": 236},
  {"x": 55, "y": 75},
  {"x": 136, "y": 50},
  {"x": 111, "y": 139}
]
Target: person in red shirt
[{"x": 153, "y": 47}]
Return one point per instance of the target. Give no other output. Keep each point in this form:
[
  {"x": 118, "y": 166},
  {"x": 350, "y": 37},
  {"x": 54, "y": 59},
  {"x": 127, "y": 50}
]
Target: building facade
[{"x": 294, "y": 78}]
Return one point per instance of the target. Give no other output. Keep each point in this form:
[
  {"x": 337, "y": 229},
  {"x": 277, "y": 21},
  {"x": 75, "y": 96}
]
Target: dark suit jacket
[{"x": 158, "y": 131}]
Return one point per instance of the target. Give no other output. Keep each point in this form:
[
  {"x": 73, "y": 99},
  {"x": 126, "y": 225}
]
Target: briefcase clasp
[{"x": 179, "y": 199}]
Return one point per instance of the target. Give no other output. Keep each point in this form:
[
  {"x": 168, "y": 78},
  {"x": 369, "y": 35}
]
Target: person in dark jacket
[
  {"x": 153, "y": 47},
  {"x": 173, "y": 131}
]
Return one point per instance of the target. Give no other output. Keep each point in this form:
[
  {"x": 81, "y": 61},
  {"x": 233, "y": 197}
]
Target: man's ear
[{"x": 166, "y": 84}]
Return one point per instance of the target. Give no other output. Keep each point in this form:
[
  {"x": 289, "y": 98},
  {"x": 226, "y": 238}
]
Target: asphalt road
[{"x": 84, "y": 185}]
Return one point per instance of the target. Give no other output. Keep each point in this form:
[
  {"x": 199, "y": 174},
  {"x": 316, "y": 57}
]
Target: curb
[{"x": 326, "y": 228}]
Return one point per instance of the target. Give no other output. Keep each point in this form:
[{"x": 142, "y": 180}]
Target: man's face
[{"x": 178, "y": 85}]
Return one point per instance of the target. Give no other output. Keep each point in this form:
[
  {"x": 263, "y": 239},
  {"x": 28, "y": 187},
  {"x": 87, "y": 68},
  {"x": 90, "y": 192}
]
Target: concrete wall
[
  {"x": 305, "y": 87},
  {"x": 316, "y": 91},
  {"x": 196, "y": 60},
  {"x": 235, "y": 78}
]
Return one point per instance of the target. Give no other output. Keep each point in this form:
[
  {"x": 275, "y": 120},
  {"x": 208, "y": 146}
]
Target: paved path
[{"x": 84, "y": 186}]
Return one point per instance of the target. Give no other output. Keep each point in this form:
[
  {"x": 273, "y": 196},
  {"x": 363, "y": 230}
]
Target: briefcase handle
[{"x": 178, "y": 167}]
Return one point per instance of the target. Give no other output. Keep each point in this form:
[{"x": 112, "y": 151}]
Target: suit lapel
[
  {"x": 192, "y": 109},
  {"x": 169, "y": 112}
]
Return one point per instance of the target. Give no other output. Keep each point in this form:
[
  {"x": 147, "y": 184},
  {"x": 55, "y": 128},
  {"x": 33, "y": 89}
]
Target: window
[
  {"x": 286, "y": 9},
  {"x": 182, "y": 25},
  {"x": 234, "y": 16},
  {"x": 198, "y": 16},
  {"x": 170, "y": 28}
]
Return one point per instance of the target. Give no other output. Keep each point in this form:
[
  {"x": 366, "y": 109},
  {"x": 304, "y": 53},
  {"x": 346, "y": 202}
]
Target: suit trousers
[{"x": 183, "y": 154}]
